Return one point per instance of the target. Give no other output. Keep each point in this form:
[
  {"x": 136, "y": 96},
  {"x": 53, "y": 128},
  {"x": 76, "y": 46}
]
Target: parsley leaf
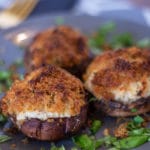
[{"x": 96, "y": 124}]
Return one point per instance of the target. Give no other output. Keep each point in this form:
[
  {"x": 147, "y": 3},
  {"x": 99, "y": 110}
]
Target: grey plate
[{"x": 28, "y": 29}]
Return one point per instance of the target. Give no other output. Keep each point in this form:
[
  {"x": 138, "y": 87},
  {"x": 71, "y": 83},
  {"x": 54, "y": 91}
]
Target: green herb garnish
[
  {"x": 130, "y": 142},
  {"x": 4, "y": 138},
  {"x": 136, "y": 123},
  {"x": 138, "y": 119},
  {"x": 140, "y": 131},
  {"x": 4, "y": 75},
  {"x": 96, "y": 124},
  {"x": 100, "y": 40},
  {"x": 53, "y": 147},
  {"x": 100, "y": 37},
  {"x": 133, "y": 110},
  {"x": 123, "y": 40},
  {"x": 5, "y": 80},
  {"x": 106, "y": 141},
  {"x": 137, "y": 135},
  {"x": 3, "y": 119},
  {"x": 85, "y": 142}
]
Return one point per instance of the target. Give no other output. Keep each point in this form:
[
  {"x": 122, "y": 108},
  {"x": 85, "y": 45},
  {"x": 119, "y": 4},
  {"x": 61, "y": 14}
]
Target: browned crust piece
[
  {"x": 54, "y": 128},
  {"x": 46, "y": 89},
  {"x": 117, "y": 109},
  {"x": 62, "y": 46}
]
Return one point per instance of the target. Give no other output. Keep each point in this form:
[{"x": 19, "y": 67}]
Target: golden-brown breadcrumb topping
[
  {"x": 62, "y": 46},
  {"x": 121, "y": 131},
  {"x": 47, "y": 89},
  {"x": 114, "y": 68}
]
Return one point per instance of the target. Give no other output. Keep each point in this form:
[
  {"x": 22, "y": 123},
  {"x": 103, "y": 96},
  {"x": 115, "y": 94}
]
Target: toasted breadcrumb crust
[
  {"x": 118, "y": 69},
  {"x": 62, "y": 46},
  {"x": 106, "y": 132},
  {"x": 121, "y": 131},
  {"x": 47, "y": 89}
]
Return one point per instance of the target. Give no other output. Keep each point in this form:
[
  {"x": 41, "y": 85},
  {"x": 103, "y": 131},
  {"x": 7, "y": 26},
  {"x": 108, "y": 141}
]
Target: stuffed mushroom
[
  {"x": 49, "y": 104},
  {"x": 62, "y": 46},
  {"x": 120, "y": 81}
]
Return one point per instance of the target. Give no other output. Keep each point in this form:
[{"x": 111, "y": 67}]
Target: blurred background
[{"x": 10, "y": 15}]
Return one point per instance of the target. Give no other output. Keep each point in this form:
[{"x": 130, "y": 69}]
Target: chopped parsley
[
  {"x": 100, "y": 40},
  {"x": 96, "y": 125},
  {"x": 133, "y": 110},
  {"x": 4, "y": 138}
]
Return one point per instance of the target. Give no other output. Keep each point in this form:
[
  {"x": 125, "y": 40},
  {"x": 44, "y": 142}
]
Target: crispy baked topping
[
  {"x": 122, "y": 65},
  {"x": 121, "y": 131},
  {"x": 62, "y": 46},
  {"x": 50, "y": 90},
  {"x": 122, "y": 75}
]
